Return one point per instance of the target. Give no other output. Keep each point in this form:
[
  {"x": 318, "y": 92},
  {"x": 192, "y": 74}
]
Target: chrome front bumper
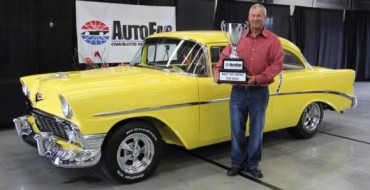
[{"x": 48, "y": 147}]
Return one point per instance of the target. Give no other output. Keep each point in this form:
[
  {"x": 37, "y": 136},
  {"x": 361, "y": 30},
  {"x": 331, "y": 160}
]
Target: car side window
[
  {"x": 195, "y": 60},
  {"x": 291, "y": 62},
  {"x": 160, "y": 52},
  {"x": 216, "y": 54}
]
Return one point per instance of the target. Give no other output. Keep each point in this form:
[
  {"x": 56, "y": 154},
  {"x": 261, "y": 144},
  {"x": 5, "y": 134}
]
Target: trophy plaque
[{"x": 233, "y": 70}]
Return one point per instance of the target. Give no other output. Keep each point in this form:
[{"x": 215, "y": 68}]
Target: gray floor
[{"x": 338, "y": 157}]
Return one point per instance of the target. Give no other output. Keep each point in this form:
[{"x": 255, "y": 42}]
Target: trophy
[{"x": 233, "y": 70}]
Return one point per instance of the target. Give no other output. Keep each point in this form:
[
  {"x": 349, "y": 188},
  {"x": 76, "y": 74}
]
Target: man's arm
[{"x": 274, "y": 68}]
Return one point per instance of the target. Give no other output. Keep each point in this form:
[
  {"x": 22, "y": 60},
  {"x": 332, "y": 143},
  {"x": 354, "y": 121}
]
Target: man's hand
[
  {"x": 216, "y": 77},
  {"x": 251, "y": 80}
]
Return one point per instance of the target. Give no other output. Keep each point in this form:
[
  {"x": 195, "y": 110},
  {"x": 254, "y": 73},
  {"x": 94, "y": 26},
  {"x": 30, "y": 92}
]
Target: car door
[
  {"x": 214, "y": 105},
  {"x": 290, "y": 99}
]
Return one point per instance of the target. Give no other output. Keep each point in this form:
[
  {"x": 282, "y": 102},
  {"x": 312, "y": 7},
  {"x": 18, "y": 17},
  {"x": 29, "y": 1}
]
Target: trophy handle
[
  {"x": 246, "y": 26},
  {"x": 223, "y": 25},
  {"x": 223, "y": 29}
]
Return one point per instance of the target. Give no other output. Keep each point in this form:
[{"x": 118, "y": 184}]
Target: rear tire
[
  {"x": 309, "y": 123},
  {"x": 132, "y": 152}
]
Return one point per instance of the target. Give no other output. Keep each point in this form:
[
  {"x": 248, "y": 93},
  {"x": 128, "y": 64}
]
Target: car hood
[
  {"x": 97, "y": 79},
  {"x": 109, "y": 89}
]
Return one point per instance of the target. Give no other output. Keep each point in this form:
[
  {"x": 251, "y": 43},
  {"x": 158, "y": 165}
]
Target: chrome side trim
[
  {"x": 352, "y": 98},
  {"x": 160, "y": 107},
  {"x": 315, "y": 92},
  {"x": 215, "y": 101},
  {"x": 280, "y": 81},
  {"x": 146, "y": 109}
]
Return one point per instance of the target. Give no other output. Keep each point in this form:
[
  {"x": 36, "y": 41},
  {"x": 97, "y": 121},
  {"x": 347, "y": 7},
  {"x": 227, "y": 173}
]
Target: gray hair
[{"x": 259, "y": 6}]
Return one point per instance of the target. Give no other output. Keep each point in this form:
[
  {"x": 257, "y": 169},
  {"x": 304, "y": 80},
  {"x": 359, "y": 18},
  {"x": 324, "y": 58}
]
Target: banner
[{"x": 112, "y": 33}]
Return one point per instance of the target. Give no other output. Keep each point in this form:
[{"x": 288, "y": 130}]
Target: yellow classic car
[{"x": 120, "y": 117}]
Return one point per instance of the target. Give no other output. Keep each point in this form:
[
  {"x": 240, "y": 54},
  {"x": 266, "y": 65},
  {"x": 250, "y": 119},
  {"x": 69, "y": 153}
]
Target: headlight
[
  {"x": 67, "y": 111},
  {"x": 25, "y": 90}
]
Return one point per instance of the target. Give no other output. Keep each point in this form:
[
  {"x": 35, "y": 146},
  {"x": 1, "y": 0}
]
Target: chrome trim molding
[
  {"x": 215, "y": 101},
  {"x": 313, "y": 92},
  {"x": 352, "y": 98},
  {"x": 280, "y": 81},
  {"x": 145, "y": 109},
  {"x": 316, "y": 92},
  {"x": 160, "y": 107}
]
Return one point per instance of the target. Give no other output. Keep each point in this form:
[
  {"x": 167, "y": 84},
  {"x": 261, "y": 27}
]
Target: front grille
[{"x": 49, "y": 123}]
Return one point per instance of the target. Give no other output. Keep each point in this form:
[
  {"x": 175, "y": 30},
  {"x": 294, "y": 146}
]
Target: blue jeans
[{"x": 246, "y": 102}]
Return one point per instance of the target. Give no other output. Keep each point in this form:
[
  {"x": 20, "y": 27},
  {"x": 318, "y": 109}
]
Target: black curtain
[
  {"x": 357, "y": 43},
  {"x": 19, "y": 53},
  {"x": 278, "y": 16},
  {"x": 319, "y": 33},
  {"x": 18, "y": 38},
  {"x": 194, "y": 14},
  {"x": 231, "y": 11},
  {"x": 38, "y": 36}
]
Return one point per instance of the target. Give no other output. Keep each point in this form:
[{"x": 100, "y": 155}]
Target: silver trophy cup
[
  {"x": 233, "y": 70},
  {"x": 233, "y": 33}
]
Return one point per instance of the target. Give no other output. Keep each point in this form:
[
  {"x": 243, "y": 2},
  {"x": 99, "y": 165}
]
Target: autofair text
[{"x": 137, "y": 32}]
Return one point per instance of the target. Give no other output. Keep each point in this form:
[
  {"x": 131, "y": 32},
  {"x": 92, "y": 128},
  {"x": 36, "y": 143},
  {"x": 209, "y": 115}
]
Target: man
[{"x": 263, "y": 59}]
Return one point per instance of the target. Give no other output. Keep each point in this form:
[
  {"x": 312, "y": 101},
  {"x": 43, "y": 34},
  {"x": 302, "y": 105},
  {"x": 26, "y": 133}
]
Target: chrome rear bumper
[
  {"x": 354, "y": 101},
  {"x": 48, "y": 147}
]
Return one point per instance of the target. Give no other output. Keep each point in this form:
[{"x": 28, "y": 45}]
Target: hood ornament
[
  {"x": 56, "y": 75},
  {"x": 61, "y": 75}
]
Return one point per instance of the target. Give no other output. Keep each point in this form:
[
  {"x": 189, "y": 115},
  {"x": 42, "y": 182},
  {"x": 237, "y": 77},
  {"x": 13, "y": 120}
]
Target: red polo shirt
[{"x": 263, "y": 56}]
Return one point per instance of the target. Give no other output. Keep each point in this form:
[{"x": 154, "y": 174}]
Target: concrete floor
[{"x": 338, "y": 157}]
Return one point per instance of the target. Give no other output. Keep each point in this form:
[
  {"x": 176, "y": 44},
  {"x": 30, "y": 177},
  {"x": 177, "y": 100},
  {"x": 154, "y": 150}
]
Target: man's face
[{"x": 256, "y": 18}]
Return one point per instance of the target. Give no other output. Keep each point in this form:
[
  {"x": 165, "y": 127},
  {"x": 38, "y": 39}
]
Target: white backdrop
[{"x": 116, "y": 31}]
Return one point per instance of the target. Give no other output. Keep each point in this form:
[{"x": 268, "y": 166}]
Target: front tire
[
  {"x": 132, "y": 152},
  {"x": 309, "y": 123}
]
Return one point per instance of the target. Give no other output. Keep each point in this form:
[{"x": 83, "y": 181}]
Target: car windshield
[{"x": 172, "y": 55}]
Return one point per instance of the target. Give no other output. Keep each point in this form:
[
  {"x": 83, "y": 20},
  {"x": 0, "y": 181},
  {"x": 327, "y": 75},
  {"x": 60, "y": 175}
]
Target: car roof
[
  {"x": 202, "y": 36},
  {"x": 210, "y": 36}
]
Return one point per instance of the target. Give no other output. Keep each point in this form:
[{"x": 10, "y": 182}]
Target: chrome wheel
[
  {"x": 131, "y": 151},
  {"x": 310, "y": 122},
  {"x": 135, "y": 153},
  {"x": 311, "y": 117}
]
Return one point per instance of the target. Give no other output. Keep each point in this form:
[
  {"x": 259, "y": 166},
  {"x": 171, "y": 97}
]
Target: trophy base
[{"x": 234, "y": 77}]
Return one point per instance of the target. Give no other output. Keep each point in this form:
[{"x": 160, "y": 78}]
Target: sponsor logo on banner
[
  {"x": 95, "y": 32},
  {"x": 121, "y": 30}
]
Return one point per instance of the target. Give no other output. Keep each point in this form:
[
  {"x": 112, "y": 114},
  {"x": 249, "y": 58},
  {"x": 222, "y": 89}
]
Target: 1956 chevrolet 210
[{"x": 120, "y": 117}]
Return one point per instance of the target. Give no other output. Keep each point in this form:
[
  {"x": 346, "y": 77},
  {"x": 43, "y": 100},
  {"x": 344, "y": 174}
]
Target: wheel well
[
  {"x": 167, "y": 134},
  {"x": 326, "y": 106}
]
